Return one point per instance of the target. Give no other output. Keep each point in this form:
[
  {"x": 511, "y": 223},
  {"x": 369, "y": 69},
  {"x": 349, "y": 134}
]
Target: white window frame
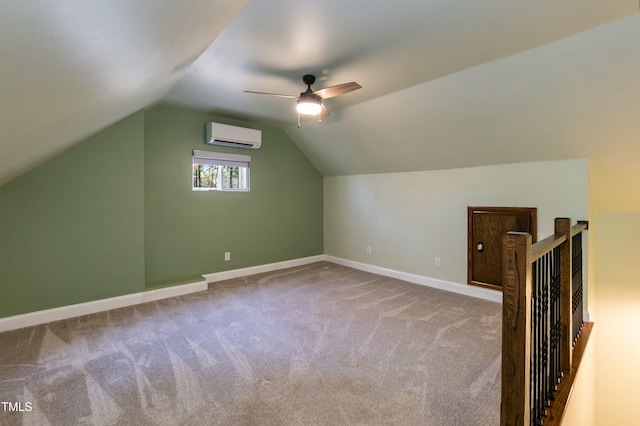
[{"x": 222, "y": 159}]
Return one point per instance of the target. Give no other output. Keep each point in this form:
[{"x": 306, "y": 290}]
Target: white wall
[{"x": 410, "y": 218}]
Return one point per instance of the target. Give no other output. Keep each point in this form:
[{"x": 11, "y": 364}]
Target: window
[{"x": 218, "y": 171}]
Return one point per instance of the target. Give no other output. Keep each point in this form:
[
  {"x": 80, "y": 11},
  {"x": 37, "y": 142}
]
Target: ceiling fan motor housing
[{"x": 309, "y": 79}]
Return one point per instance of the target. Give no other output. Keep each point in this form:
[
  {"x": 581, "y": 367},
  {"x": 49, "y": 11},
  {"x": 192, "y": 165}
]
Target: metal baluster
[
  {"x": 559, "y": 331},
  {"x": 545, "y": 342},
  {"x": 535, "y": 324},
  {"x": 532, "y": 367},
  {"x": 539, "y": 406},
  {"x": 554, "y": 326},
  {"x": 554, "y": 369},
  {"x": 539, "y": 280},
  {"x": 577, "y": 286},
  {"x": 535, "y": 320},
  {"x": 558, "y": 349}
]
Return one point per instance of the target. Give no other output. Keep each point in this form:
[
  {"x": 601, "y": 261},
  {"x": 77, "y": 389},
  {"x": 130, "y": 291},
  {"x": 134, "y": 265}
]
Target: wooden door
[{"x": 487, "y": 226}]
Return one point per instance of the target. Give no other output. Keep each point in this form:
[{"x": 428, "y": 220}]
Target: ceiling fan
[{"x": 310, "y": 102}]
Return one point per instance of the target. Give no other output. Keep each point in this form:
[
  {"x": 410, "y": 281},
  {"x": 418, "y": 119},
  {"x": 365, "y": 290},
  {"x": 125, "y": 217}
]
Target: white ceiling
[{"x": 70, "y": 68}]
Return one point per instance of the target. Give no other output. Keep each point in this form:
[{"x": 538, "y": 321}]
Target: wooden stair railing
[{"x": 541, "y": 323}]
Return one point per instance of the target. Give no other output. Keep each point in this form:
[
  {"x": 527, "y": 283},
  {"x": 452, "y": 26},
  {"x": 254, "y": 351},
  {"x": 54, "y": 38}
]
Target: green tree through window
[{"x": 220, "y": 171}]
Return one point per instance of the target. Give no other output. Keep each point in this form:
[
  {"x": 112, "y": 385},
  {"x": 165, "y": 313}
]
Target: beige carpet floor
[{"x": 320, "y": 344}]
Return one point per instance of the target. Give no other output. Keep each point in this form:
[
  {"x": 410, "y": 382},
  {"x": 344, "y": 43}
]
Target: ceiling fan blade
[
  {"x": 272, "y": 94},
  {"x": 339, "y": 89},
  {"x": 324, "y": 112}
]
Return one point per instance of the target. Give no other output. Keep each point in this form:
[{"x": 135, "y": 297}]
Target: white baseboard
[
  {"x": 64, "y": 312},
  {"x": 467, "y": 290},
  {"x": 479, "y": 292},
  {"x": 70, "y": 311},
  {"x": 251, "y": 270}
]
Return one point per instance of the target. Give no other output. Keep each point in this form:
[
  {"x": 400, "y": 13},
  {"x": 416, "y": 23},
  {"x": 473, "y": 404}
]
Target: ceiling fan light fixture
[
  {"x": 310, "y": 102},
  {"x": 308, "y": 105}
]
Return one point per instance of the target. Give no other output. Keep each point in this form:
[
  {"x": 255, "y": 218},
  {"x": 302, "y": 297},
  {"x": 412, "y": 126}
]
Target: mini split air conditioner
[{"x": 237, "y": 137}]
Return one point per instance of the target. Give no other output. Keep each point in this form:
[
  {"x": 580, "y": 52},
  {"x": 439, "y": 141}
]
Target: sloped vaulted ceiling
[
  {"x": 445, "y": 83},
  {"x": 438, "y": 76},
  {"x": 71, "y": 68},
  {"x": 575, "y": 98}
]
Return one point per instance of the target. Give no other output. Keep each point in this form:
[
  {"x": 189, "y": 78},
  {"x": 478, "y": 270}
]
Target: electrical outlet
[
  {"x": 227, "y": 256},
  {"x": 437, "y": 262},
  {"x": 368, "y": 249}
]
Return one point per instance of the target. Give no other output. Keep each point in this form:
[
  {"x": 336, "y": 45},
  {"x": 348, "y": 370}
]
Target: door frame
[{"x": 471, "y": 246}]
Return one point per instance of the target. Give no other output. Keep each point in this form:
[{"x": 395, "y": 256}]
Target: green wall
[
  {"x": 73, "y": 228},
  {"x": 188, "y": 232},
  {"x": 115, "y": 214}
]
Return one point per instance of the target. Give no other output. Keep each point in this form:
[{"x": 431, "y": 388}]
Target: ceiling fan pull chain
[
  {"x": 320, "y": 117},
  {"x": 298, "y": 120}
]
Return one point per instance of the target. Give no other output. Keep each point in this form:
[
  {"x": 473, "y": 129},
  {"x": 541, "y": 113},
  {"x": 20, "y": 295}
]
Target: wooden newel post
[
  {"x": 516, "y": 329},
  {"x": 563, "y": 226}
]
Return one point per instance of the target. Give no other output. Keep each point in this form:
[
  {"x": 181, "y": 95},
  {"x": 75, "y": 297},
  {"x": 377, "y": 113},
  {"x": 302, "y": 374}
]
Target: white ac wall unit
[{"x": 237, "y": 137}]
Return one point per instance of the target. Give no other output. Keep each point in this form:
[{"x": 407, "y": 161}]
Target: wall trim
[
  {"x": 64, "y": 312},
  {"x": 70, "y": 311},
  {"x": 465, "y": 289},
  {"x": 95, "y": 306},
  {"x": 268, "y": 267}
]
